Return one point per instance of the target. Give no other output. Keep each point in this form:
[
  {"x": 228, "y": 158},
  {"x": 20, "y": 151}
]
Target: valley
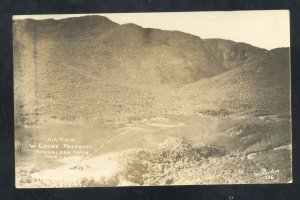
[{"x": 145, "y": 106}]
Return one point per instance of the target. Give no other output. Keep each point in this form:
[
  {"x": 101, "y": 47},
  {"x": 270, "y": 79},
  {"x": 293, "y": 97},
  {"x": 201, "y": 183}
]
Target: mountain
[
  {"x": 261, "y": 86},
  {"x": 90, "y": 69}
]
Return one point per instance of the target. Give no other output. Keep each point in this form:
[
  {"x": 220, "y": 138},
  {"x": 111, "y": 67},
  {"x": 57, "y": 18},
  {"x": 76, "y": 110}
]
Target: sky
[{"x": 265, "y": 28}]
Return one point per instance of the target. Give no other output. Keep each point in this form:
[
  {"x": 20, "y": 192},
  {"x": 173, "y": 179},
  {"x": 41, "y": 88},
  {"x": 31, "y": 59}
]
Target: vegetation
[
  {"x": 162, "y": 165},
  {"x": 216, "y": 113},
  {"x": 177, "y": 161}
]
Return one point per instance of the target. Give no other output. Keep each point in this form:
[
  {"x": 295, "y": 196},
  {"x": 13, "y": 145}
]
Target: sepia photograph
[{"x": 152, "y": 99}]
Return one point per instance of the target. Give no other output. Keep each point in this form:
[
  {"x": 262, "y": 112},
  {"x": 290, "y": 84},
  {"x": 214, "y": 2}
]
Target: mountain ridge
[{"x": 94, "y": 68}]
